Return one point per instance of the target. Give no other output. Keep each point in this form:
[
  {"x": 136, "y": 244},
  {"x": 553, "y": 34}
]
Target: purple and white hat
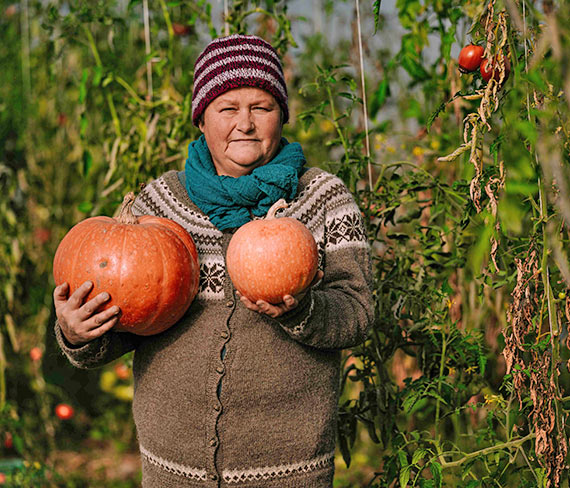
[{"x": 233, "y": 62}]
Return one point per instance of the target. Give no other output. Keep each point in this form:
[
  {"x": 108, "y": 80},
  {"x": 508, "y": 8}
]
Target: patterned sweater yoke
[{"x": 231, "y": 398}]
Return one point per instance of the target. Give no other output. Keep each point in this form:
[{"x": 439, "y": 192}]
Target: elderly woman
[{"x": 239, "y": 394}]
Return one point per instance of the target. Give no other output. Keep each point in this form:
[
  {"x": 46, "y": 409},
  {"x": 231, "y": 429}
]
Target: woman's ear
[{"x": 201, "y": 123}]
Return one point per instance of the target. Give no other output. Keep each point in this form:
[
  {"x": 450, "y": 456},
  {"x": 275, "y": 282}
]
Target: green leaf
[
  {"x": 446, "y": 288},
  {"x": 527, "y": 129},
  {"x": 512, "y": 211},
  {"x": 436, "y": 472},
  {"x": 534, "y": 77},
  {"x": 405, "y": 476},
  {"x": 447, "y": 40},
  {"x": 344, "y": 449},
  {"x": 525, "y": 188},
  {"x": 87, "y": 162},
  {"x": 403, "y": 457},
  {"x": 418, "y": 455},
  {"x": 376, "y": 8},
  {"x": 481, "y": 248},
  {"x": 97, "y": 76},
  {"x": 414, "y": 68},
  {"x": 410, "y": 401},
  {"x": 83, "y": 123},
  {"x": 435, "y": 115},
  {"x": 379, "y": 97},
  {"x": 85, "y": 207}
]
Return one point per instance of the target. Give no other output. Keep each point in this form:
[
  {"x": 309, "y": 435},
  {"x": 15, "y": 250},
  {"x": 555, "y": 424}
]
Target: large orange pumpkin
[
  {"x": 148, "y": 265},
  {"x": 272, "y": 257}
]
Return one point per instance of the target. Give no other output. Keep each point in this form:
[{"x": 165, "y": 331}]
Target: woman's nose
[{"x": 245, "y": 121}]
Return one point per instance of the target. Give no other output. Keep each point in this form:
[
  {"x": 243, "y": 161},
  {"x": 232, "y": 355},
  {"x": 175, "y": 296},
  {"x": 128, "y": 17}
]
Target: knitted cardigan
[{"x": 229, "y": 397}]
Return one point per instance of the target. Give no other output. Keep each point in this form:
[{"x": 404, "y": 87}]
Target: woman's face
[{"x": 242, "y": 128}]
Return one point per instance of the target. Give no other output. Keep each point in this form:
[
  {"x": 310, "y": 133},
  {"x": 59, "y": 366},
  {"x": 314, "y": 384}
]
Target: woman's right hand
[{"x": 80, "y": 322}]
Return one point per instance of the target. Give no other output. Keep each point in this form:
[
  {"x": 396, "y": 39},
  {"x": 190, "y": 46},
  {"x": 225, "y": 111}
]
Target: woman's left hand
[{"x": 276, "y": 310}]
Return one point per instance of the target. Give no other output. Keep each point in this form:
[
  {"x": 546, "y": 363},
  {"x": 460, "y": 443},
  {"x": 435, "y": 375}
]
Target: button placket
[{"x": 221, "y": 338}]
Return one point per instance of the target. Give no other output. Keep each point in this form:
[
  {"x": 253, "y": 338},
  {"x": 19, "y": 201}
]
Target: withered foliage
[{"x": 531, "y": 367}]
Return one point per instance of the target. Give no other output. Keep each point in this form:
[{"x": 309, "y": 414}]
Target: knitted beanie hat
[{"x": 233, "y": 62}]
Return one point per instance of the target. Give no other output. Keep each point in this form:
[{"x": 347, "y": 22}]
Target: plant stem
[
  {"x": 126, "y": 215},
  {"x": 170, "y": 29},
  {"x": 109, "y": 98},
  {"x": 2, "y": 373},
  {"x": 281, "y": 203},
  {"x": 482, "y": 452},
  {"x": 438, "y": 403},
  {"x": 147, "y": 50},
  {"x": 336, "y": 124}
]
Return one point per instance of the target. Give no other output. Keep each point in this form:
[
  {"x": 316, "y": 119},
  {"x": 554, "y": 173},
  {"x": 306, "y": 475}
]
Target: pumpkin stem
[
  {"x": 276, "y": 206},
  {"x": 126, "y": 215}
]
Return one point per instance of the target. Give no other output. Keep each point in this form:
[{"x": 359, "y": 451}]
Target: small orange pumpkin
[
  {"x": 272, "y": 257},
  {"x": 148, "y": 265}
]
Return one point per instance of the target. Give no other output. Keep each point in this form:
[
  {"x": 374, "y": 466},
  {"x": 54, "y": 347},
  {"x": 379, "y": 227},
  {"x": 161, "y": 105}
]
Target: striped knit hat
[{"x": 236, "y": 61}]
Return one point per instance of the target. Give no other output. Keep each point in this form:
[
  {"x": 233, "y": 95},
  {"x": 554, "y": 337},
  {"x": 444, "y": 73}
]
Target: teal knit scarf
[{"x": 226, "y": 200}]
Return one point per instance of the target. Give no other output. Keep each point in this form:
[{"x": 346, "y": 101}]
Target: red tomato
[
  {"x": 8, "y": 440},
  {"x": 2, "y": 478},
  {"x": 61, "y": 119},
  {"x": 42, "y": 235},
  {"x": 36, "y": 354},
  {"x": 64, "y": 411},
  {"x": 181, "y": 29},
  {"x": 493, "y": 71},
  {"x": 470, "y": 58},
  {"x": 122, "y": 371}
]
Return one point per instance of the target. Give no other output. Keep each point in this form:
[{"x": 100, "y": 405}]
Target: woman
[{"x": 238, "y": 393}]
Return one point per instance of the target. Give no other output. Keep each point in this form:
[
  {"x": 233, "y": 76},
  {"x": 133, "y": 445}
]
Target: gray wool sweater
[{"x": 228, "y": 397}]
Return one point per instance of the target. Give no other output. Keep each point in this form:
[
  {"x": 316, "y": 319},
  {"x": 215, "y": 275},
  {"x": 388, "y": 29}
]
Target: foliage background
[{"x": 463, "y": 187}]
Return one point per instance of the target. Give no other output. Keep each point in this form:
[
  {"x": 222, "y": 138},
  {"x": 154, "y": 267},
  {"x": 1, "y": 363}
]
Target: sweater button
[
  {"x": 213, "y": 442},
  {"x": 217, "y": 408},
  {"x": 230, "y": 303},
  {"x": 224, "y": 335},
  {"x": 220, "y": 369},
  {"x": 214, "y": 477}
]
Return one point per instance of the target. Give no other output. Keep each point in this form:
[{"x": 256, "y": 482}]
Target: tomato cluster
[{"x": 471, "y": 59}]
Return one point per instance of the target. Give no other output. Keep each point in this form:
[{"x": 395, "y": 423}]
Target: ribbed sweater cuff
[
  {"x": 80, "y": 356},
  {"x": 296, "y": 320}
]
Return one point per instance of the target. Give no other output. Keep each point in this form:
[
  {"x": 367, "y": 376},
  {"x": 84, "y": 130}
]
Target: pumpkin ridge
[
  {"x": 74, "y": 267},
  {"x": 124, "y": 229},
  {"x": 159, "y": 304}
]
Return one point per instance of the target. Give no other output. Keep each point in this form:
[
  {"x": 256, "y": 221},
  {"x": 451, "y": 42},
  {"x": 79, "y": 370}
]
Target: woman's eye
[
  {"x": 227, "y": 109},
  {"x": 263, "y": 109}
]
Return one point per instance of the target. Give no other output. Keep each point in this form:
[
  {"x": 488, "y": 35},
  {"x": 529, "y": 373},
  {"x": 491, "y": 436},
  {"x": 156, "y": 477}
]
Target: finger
[
  {"x": 78, "y": 296},
  {"x": 249, "y": 304},
  {"x": 289, "y": 301},
  {"x": 102, "y": 318},
  {"x": 269, "y": 309},
  {"x": 89, "y": 308},
  {"x": 60, "y": 293},
  {"x": 101, "y": 329}
]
